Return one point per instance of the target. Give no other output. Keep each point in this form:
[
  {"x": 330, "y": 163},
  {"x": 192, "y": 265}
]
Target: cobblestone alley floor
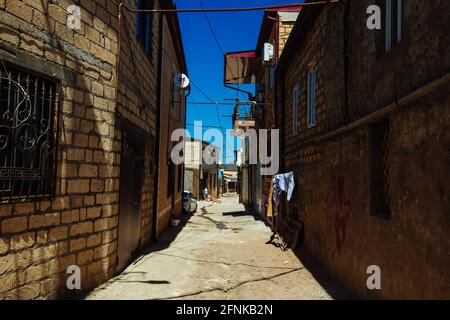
[{"x": 220, "y": 253}]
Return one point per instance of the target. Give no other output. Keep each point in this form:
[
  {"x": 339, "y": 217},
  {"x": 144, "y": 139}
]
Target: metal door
[{"x": 130, "y": 198}]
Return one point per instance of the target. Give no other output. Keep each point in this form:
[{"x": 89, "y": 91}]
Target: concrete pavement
[{"x": 219, "y": 253}]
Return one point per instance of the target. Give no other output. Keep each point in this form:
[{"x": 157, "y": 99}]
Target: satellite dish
[{"x": 181, "y": 81}]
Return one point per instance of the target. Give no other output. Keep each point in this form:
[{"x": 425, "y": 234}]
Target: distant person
[{"x": 205, "y": 194}]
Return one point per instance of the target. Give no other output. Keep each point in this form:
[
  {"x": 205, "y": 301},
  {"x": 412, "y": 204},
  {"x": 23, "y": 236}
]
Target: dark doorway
[{"x": 132, "y": 171}]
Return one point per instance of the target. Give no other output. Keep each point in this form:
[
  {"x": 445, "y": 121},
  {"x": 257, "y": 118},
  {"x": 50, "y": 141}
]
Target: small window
[
  {"x": 379, "y": 169},
  {"x": 144, "y": 23},
  {"x": 295, "y": 108},
  {"x": 27, "y": 135},
  {"x": 312, "y": 98},
  {"x": 393, "y": 23},
  {"x": 272, "y": 75}
]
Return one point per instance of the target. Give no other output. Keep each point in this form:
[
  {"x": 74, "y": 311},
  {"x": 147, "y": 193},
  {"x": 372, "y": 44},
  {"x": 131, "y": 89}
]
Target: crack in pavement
[
  {"x": 268, "y": 278},
  {"x": 224, "y": 263}
]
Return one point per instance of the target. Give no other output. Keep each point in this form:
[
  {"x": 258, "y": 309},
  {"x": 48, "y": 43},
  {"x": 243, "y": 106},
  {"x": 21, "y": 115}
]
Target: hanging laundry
[
  {"x": 288, "y": 185},
  {"x": 283, "y": 182}
]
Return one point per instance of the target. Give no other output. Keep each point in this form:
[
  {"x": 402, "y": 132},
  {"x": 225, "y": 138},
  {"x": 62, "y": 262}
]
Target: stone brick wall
[
  {"x": 333, "y": 190},
  {"x": 39, "y": 240}
]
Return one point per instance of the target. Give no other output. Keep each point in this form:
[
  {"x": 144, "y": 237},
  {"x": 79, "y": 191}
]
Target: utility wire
[
  {"x": 275, "y": 7},
  {"x": 218, "y": 45},
  {"x": 216, "y": 39},
  {"x": 204, "y": 126}
]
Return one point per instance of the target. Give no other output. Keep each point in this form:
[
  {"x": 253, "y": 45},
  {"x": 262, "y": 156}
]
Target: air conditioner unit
[{"x": 268, "y": 52}]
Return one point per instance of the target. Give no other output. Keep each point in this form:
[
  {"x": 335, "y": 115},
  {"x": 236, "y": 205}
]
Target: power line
[
  {"x": 194, "y": 84},
  {"x": 226, "y": 103},
  {"x": 204, "y": 126},
  {"x": 202, "y": 92},
  {"x": 275, "y": 7},
  {"x": 211, "y": 28},
  {"x": 216, "y": 39},
  {"x": 218, "y": 45}
]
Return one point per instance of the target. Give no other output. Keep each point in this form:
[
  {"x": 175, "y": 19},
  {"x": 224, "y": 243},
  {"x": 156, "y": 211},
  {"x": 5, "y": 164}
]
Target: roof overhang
[{"x": 241, "y": 67}]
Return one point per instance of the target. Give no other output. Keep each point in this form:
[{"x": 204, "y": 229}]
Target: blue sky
[{"x": 235, "y": 31}]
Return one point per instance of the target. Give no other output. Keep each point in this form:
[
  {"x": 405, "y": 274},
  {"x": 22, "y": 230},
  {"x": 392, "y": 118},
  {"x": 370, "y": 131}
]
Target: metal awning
[{"x": 240, "y": 67}]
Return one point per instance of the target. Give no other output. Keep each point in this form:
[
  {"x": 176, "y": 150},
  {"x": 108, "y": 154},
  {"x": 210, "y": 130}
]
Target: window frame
[
  {"x": 311, "y": 105},
  {"x": 296, "y": 109},
  {"x": 47, "y": 89},
  {"x": 393, "y": 21},
  {"x": 380, "y": 203},
  {"x": 144, "y": 29}
]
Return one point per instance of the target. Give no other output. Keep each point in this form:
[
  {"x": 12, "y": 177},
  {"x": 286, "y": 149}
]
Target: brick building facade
[
  {"x": 370, "y": 162},
  {"x": 274, "y": 32},
  {"x": 172, "y": 117},
  {"x": 85, "y": 211}
]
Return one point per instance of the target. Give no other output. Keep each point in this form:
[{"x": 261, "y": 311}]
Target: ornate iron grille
[{"x": 27, "y": 136}]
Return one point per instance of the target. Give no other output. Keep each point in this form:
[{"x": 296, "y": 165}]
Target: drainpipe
[
  {"x": 185, "y": 120},
  {"x": 277, "y": 35},
  {"x": 158, "y": 117},
  {"x": 277, "y": 57},
  {"x": 118, "y": 56}
]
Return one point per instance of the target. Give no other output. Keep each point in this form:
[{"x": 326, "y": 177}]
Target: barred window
[
  {"x": 312, "y": 98},
  {"x": 379, "y": 175},
  {"x": 144, "y": 24},
  {"x": 295, "y": 108},
  {"x": 27, "y": 135},
  {"x": 393, "y": 23}
]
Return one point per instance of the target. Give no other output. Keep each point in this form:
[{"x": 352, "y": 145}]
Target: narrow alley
[
  {"x": 199, "y": 260},
  {"x": 224, "y": 150}
]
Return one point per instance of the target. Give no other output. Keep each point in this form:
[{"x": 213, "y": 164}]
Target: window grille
[
  {"x": 393, "y": 23},
  {"x": 144, "y": 24},
  {"x": 27, "y": 136},
  {"x": 312, "y": 98},
  {"x": 295, "y": 108},
  {"x": 380, "y": 186}
]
